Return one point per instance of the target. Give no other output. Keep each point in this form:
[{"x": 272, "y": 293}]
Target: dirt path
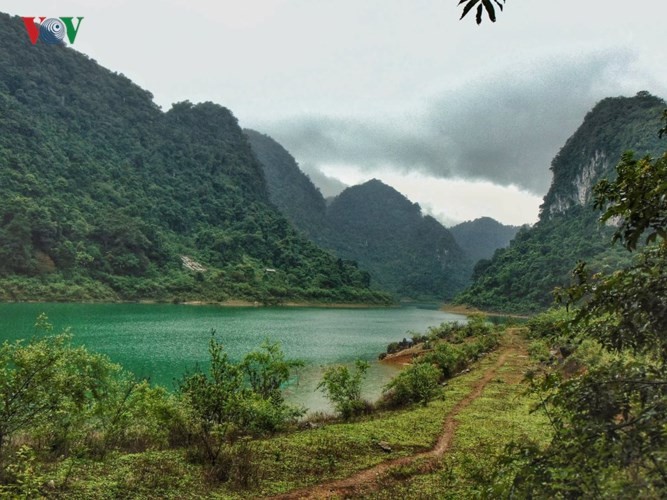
[{"x": 367, "y": 479}]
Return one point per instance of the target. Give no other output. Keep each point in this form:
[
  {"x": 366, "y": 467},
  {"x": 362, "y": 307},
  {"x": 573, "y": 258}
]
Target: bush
[
  {"x": 343, "y": 388},
  {"x": 449, "y": 359},
  {"x": 552, "y": 324},
  {"x": 234, "y": 400},
  {"x": 416, "y": 384}
]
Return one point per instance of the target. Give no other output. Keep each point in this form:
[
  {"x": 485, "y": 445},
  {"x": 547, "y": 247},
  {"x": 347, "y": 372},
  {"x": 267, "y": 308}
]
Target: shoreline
[
  {"x": 405, "y": 356},
  {"x": 225, "y": 303},
  {"x": 468, "y": 310}
]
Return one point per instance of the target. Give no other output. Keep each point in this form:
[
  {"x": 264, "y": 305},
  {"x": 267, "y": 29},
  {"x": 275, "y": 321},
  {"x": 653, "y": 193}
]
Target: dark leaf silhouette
[{"x": 484, "y": 5}]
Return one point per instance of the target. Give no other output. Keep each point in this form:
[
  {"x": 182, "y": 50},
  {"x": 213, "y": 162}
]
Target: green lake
[{"x": 162, "y": 341}]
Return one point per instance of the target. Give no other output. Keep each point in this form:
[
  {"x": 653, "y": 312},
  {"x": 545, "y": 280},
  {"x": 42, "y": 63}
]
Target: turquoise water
[{"x": 162, "y": 341}]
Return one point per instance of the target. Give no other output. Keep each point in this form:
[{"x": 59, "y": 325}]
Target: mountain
[
  {"x": 407, "y": 253},
  {"x": 481, "y": 237},
  {"x": 411, "y": 255},
  {"x": 289, "y": 188},
  {"x": 104, "y": 196},
  {"x": 521, "y": 277}
]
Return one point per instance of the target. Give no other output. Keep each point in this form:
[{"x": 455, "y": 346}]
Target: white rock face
[{"x": 583, "y": 184}]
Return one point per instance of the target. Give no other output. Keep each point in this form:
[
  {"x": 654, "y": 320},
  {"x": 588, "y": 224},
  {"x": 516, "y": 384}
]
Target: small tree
[
  {"x": 214, "y": 400},
  {"x": 609, "y": 422},
  {"x": 343, "y": 388},
  {"x": 416, "y": 384},
  {"x": 236, "y": 399}
]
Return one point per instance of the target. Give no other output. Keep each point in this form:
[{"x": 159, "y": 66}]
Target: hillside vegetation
[
  {"x": 104, "y": 196},
  {"x": 407, "y": 253},
  {"x": 521, "y": 278}
]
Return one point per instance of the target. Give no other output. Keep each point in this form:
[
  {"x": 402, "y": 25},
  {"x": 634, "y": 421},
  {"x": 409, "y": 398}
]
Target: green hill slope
[
  {"x": 521, "y": 277},
  {"x": 290, "y": 189},
  {"x": 406, "y": 253},
  {"x": 104, "y": 196}
]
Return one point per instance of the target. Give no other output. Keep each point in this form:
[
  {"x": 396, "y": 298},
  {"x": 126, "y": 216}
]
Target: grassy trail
[{"x": 374, "y": 480}]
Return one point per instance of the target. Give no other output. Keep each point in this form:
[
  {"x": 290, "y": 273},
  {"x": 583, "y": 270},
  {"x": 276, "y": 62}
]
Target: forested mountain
[
  {"x": 481, "y": 237},
  {"x": 104, "y": 196},
  {"x": 290, "y": 189},
  {"x": 406, "y": 253},
  {"x": 521, "y": 277}
]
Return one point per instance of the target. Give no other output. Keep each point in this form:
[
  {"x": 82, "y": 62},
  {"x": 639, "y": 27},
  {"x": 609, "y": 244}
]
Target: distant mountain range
[
  {"x": 407, "y": 253},
  {"x": 103, "y": 196},
  {"x": 521, "y": 277}
]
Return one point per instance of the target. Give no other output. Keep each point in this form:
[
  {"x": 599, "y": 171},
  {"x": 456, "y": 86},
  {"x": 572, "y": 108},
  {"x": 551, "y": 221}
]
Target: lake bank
[
  {"x": 161, "y": 342},
  {"x": 468, "y": 310}
]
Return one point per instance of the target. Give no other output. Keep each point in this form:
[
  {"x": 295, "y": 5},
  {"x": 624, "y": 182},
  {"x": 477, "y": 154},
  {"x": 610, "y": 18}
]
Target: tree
[
  {"x": 609, "y": 421},
  {"x": 343, "y": 388},
  {"x": 236, "y": 399}
]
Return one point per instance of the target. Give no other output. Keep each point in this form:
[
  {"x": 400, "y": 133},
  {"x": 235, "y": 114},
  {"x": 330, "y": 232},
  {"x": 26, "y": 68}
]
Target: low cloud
[
  {"x": 329, "y": 186},
  {"x": 503, "y": 127}
]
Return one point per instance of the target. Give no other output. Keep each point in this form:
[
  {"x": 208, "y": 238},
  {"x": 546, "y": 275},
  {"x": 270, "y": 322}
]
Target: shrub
[
  {"x": 416, "y": 384},
  {"x": 552, "y": 324},
  {"x": 343, "y": 388},
  {"x": 449, "y": 359}
]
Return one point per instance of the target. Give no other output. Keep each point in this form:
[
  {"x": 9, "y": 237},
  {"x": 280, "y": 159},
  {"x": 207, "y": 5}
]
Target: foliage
[
  {"x": 102, "y": 195},
  {"x": 48, "y": 388},
  {"x": 552, "y": 324},
  {"x": 609, "y": 419},
  {"x": 23, "y": 480},
  {"x": 59, "y": 401},
  {"x": 416, "y": 384},
  {"x": 638, "y": 197},
  {"x": 521, "y": 278},
  {"x": 236, "y": 399},
  {"x": 343, "y": 388},
  {"x": 447, "y": 350},
  {"x": 482, "y": 6}
]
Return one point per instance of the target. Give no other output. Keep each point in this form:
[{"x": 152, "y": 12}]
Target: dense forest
[
  {"x": 521, "y": 277},
  {"x": 409, "y": 254},
  {"x": 406, "y": 252},
  {"x": 103, "y": 196}
]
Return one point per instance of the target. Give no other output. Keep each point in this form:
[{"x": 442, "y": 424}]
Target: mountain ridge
[
  {"x": 521, "y": 277},
  {"x": 102, "y": 194}
]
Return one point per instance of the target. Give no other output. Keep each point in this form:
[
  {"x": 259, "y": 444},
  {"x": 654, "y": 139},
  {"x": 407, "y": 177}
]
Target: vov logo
[{"x": 52, "y": 30}]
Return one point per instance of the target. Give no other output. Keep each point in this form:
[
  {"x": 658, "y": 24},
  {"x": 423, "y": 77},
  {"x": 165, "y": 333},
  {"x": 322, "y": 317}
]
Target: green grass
[
  {"x": 336, "y": 450},
  {"x": 501, "y": 414}
]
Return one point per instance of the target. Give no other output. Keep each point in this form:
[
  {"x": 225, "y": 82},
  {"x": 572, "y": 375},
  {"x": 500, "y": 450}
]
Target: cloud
[
  {"x": 504, "y": 127},
  {"x": 329, "y": 186}
]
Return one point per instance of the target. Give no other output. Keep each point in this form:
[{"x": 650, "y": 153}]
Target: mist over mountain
[
  {"x": 521, "y": 277},
  {"x": 290, "y": 189},
  {"x": 407, "y": 253},
  {"x": 104, "y": 196}
]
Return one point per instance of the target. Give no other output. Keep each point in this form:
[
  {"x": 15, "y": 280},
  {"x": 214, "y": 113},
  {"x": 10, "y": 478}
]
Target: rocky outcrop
[{"x": 581, "y": 192}]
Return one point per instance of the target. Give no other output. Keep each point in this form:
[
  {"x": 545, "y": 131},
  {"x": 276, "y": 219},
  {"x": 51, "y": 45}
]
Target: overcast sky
[{"x": 463, "y": 119}]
